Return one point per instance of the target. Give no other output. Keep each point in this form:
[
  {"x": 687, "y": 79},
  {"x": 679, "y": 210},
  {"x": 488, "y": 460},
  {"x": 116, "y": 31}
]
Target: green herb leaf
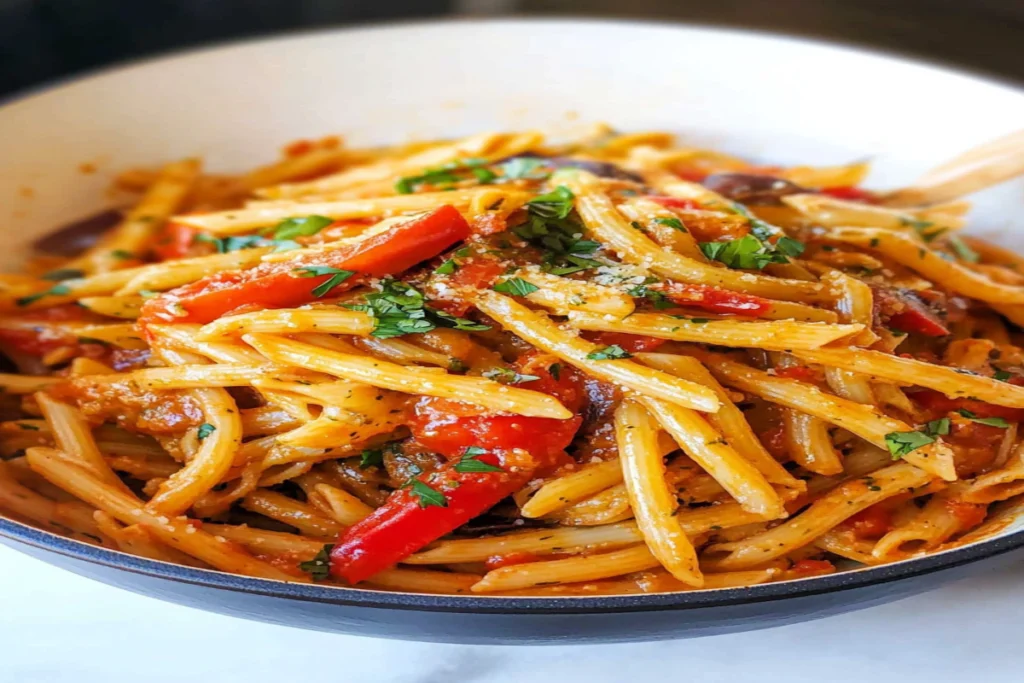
[
  {"x": 371, "y": 457},
  {"x": 469, "y": 463},
  {"x": 962, "y": 250},
  {"x": 658, "y": 299},
  {"x": 427, "y": 496},
  {"x": 63, "y": 274},
  {"x": 507, "y": 376},
  {"x": 205, "y": 430},
  {"x": 56, "y": 290},
  {"x": 673, "y": 223},
  {"x": 399, "y": 309},
  {"x": 990, "y": 421},
  {"x": 305, "y": 226},
  {"x": 447, "y": 268},
  {"x": 613, "y": 352},
  {"x": 27, "y": 427},
  {"x": 789, "y": 246},
  {"x": 516, "y": 286},
  {"x": 122, "y": 254},
  {"x": 1001, "y": 375},
  {"x": 938, "y": 427},
  {"x": 447, "y": 174},
  {"x": 747, "y": 253},
  {"x": 319, "y": 568},
  {"x": 555, "y": 204},
  {"x": 556, "y": 370},
  {"x": 901, "y": 443},
  {"x": 337, "y": 277}
]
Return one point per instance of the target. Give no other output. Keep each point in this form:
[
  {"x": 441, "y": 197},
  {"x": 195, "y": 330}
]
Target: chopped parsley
[
  {"x": 1002, "y": 376},
  {"x": 549, "y": 227},
  {"x": 63, "y": 274},
  {"x": 306, "y": 226},
  {"x": 922, "y": 229},
  {"x": 747, "y": 253},
  {"x": 556, "y": 370},
  {"x": 400, "y": 309},
  {"x": 205, "y": 430},
  {"x": 446, "y": 175},
  {"x": 319, "y": 568},
  {"x": 27, "y": 427},
  {"x": 990, "y": 421},
  {"x": 427, "y": 496},
  {"x": 447, "y": 268},
  {"x": 673, "y": 223},
  {"x": 56, "y": 290},
  {"x": 337, "y": 276},
  {"x": 224, "y": 245},
  {"x": 469, "y": 462},
  {"x": 658, "y": 299},
  {"x": 371, "y": 457},
  {"x": 962, "y": 250},
  {"x": 613, "y": 352},
  {"x": 122, "y": 254},
  {"x": 516, "y": 286},
  {"x": 508, "y": 376},
  {"x": 902, "y": 443}
]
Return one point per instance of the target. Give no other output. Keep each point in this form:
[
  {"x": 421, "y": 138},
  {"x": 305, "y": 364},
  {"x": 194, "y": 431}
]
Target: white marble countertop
[{"x": 56, "y": 627}]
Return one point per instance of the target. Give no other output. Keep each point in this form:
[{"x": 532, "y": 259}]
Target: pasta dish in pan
[{"x": 502, "y": 365}]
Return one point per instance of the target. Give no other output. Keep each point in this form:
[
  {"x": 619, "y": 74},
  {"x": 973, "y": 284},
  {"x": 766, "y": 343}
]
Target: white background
[{"x": 56, "y": 627}]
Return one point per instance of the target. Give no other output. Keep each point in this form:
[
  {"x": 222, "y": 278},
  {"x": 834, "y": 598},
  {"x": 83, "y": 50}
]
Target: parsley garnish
[
  {"x": 27, "y": 427},
  {"x": 1001, "y": 375},
  {"x": 371, "y": 457},
  {"x": 56, "y": 290},
  {"x": 613, "y": 352},
  {"x": 750, "y": 253},
  {"x": 319, "y": 568},
  {"x": 921, "y": 228},
  {"x": 290, "y": 228},
  {"x": 990, "y": 421},
  {"x": 400, "y": 309},
  {"x": 673, "y": 223},
  {"x": 226, "y": 244},
  {"x": 901, "y": 443},
  {"x": 205, "y": 430},
  {"x": 427, "y": 496},
  {"x": 516, "y": 286},
  {"x": 556, "y": 370},
  {"x": 507, "y": 376},
  {"x": 63, "y": 274},
  {"x": 447, "y": 268},
  {"x": 447, "y": 174},
  {"x": 122, "y": 254},
  {"x": 962, "y": 250},
  {"x": 659, "y": 300},
  {"x": 469, "y": 463},
  {"x": 549, "y": 227},
  {"x": 337, "y": 277}
]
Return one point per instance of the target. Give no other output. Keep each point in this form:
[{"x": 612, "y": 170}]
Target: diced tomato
[
  {"x": 969, "y": 515},
  {"x": 633, "y": 343},
  {"x": 280, "y": 284},
  {"x": 940, "y": 404},
  {"x": 475, "y": 271},
  {"x": 871, "y": 523},
  {"x": 906, "y": 311},
  {"x": 714, "y": 299},
  {"x": 174, "y": 241},
  {"x": 850, "y": 193},
  {"x": 805, "y": 568},
  {"x": 673, "y": 202},
  {"x": 499, "y": 561}
]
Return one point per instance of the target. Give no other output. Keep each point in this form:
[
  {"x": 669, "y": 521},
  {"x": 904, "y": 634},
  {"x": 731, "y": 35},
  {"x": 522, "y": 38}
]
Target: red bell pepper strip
[
  {"x": 672, "y": 202},
  {"x": 850, "y": 193},
  {"x": 174, "y": 241},
  {"x": 940, "y": 404},
  {"x": 405, "y": 523},
  {"x": 281, "y": 284},
  {"x": 713, "y": 299}
]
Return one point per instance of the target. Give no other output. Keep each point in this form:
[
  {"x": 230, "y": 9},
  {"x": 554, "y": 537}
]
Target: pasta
[{"x": 505, "y": 365}]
